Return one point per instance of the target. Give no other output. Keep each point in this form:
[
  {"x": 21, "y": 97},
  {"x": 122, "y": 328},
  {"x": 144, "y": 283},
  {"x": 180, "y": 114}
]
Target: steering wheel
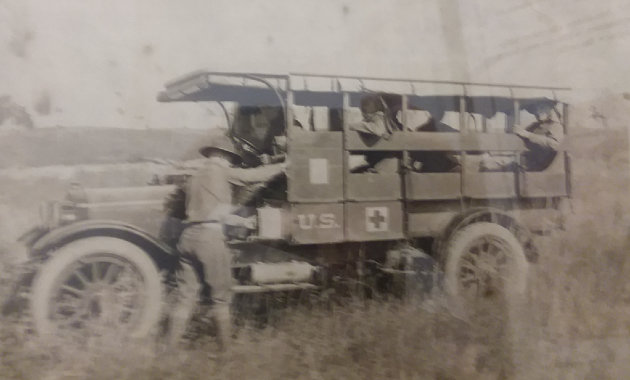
[
  {"x": 251, "y": 154},
  {"x": 251, "y": 148}
]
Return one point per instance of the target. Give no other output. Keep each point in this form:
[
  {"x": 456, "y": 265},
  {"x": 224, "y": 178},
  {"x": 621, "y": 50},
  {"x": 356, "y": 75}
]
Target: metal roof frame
[{"x": 270, "y": 89}]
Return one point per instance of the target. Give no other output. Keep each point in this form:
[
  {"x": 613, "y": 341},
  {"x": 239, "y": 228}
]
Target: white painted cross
[{"x": 318, "y": 171}]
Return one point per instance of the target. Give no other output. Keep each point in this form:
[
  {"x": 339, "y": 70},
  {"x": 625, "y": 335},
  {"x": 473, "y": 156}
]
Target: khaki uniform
[
  {"x": 377, "y": 118},
  {"x": 542, "y": 143},
  {"x": 208, "y": 202},
  {"x": 376, "y": 124}
]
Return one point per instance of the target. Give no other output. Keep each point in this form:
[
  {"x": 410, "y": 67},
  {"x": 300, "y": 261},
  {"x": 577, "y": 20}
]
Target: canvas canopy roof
[{"x": 321, "y": 90}]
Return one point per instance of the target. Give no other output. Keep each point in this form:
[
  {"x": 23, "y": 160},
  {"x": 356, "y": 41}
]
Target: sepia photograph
[{"x": 340, "y": 189}]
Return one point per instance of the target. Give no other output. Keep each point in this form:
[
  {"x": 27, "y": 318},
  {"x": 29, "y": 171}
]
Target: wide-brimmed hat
[
  {"x": 534, "y": 105},
  {"x": 220, "y": 143}
]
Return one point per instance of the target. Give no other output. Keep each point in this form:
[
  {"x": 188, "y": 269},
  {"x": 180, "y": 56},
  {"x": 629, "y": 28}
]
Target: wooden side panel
[
  {"x": 366, "y": 221},
  {"x": 316, "y": 223},
  {"x": 429, "y": 223},
  {"x": 549, "y": 183},
  {"x": 373, "y": 186},
  {"x": 543, "y": 185},
  {"x": 435, "y": 141},
  {"x": 315, "y": 172},
  {"x": 488, "y": 185},
  {"x": 433, "y": 186},
  {"x": 314, "y": 139}
]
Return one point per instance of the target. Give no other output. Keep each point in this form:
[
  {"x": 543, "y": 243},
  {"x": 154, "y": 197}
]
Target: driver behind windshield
[{"x": 258, "y": 126}]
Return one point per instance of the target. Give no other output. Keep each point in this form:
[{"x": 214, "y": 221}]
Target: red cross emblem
[{"x": 376, "y": 219}]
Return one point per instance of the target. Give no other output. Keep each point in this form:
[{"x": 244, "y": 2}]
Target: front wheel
[
  {"x": 485, "y": 263},
  {"x": 97, "y": 285}
]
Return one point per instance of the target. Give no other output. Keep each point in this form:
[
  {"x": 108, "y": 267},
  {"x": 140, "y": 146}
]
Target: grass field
[{"x": 575, "y": 323}]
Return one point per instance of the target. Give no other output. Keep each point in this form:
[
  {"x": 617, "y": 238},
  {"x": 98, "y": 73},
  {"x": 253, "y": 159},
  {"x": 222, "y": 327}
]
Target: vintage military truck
[{"x": 353, "y": 205}]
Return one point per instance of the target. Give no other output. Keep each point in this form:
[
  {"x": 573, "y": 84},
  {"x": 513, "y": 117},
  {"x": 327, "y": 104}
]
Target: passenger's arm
[
  {"x": 262, "y": 173},
  {"x": 550, "y": 140},
  {"x": 373, "y": 123},
  {"x": 239, "y": 221}
]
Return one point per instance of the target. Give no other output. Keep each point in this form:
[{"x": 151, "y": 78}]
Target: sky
[{"x": 101, "y": 63}]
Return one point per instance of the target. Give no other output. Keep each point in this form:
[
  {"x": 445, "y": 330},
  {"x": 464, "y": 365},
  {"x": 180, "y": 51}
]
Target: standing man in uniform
[{"x": 208, "y": 208}]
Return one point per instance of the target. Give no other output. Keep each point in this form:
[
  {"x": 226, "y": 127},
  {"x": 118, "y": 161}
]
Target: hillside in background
[
  {"x": 73, "y": 146},
  {"x": 597, "y": 129}
]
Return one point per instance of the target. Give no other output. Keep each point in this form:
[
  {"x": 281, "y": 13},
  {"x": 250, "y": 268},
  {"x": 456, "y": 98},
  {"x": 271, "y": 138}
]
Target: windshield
[{"x": 258, "y": 125}]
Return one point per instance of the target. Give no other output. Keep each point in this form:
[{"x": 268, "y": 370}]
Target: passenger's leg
[
  {"x": 489, "y": 163},
  {"x": 387, "y": 165}
]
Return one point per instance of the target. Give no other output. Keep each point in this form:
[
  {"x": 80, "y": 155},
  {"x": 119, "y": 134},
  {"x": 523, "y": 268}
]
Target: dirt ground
[{"x": 575, "y": 323}]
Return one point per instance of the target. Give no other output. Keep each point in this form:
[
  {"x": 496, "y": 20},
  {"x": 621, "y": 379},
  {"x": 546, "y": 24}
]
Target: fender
[
  {"x": 42, "y": 243},
  {"x": 162, "y": 254},
  {"x": 493, "y": 215}
]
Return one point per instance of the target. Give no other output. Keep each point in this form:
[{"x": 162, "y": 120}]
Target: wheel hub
[
  {"x": 101, "y": 290},
  {"x": 483, "y": 267}
]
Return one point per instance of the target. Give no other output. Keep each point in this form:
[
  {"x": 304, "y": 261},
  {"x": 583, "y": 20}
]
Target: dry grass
[{"x": 357, "y": 341}]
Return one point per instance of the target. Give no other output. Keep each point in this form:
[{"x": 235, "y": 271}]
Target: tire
[
  {"x": 484, "y": 261},
  {"x": 97, "y": 285}
]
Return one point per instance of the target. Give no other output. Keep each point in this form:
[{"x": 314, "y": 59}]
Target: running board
[{"x": 271, "y": 288}]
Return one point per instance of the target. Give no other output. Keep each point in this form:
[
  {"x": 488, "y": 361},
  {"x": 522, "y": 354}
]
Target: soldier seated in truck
[
  {"x": 256, "y": 126},
  {"x": 379, "y": 121},
  {"x": 435, "y": 123},
  {"x": 434, "y": 162},
  {"x": 209, "y": 208},
  {"x": 542, "y": 139}
]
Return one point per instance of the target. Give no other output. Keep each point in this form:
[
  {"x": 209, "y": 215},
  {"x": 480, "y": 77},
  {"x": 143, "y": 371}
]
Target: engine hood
[
  {"x": 142, "y": 206},
  {"x": 123, "y": 195}
]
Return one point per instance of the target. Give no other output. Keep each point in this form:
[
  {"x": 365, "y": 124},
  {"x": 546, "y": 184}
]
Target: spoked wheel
[
  {"x": 97, "y": 286},
  {"x": 485, "y": 266}
]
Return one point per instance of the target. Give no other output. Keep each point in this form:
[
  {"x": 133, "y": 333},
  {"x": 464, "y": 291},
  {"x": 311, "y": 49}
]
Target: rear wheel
[
  {"x": 95, "y": 286},
  {"x": 485, "y": 265}
]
